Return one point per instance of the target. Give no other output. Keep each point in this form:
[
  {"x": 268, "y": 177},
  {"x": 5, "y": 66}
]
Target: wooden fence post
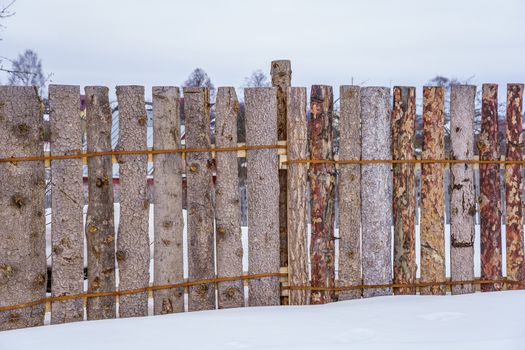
[
  {"x": 350, "y": 192},
  {"x": 168, "y": 220},
  {"x": 100, "y": 226},
  {"x": 67, "y": 203},
  {"x": 297, "y": 125},
  {"x": 514, "y": 186},
  {"x": 462, "y": 195},
  {"x": 227, "y": 201},
  {"x": 432, "y": 191},
  {"x": 404, "y": 187},
  {"x": 490, "y": 196},
  {"x": 322, "y": 193},
  {"x": 22, "y": 237},
  {"x": 376, "y": 189},
  {"x": 201, "y": 260},
  {"x": 281, "y": 73},
  {"x": 263, "y": 195}
]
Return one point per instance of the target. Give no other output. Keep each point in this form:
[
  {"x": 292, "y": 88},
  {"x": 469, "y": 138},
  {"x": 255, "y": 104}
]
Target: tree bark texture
[
  {"x": 263, "y": 195},
  {"x": 350, "y": 192},
  {"x": 67, "y": 203},
  {"x": 168, "y": 220},
  {"x": 376, "y": 189},
  {"x": 404, "y": 191},
  {"x": 227, "y": 201},
  {"x": 514, "y": 186},
  {"x": 201, "y": 260},
  {"x": 297, "y": 195},
  {"x": 100, "y": 226},
  {"x": 462, "y": 195},
  {"x": 490, "y": 195},
  {"x": 22, "y": 237},
  {"x": 322, "y": 191},
  {"x": 432, "y": 229}
]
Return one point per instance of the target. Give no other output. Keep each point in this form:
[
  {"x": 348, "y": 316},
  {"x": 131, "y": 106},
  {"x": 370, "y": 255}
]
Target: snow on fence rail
[{"x": 373, "y": 176}]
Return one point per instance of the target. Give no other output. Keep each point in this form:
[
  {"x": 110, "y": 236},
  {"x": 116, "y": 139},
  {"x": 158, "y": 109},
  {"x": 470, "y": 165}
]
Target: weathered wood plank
[
  {"x": 297, "y": 224},
  {"x": 263, "y": 195},
  {"x": 168, "y": 220},
  {"x": 133, "y": 253},
  {"x": 404, "y": 187},
  {"x": 376, "y": 189},
  {"x": 462, "y": 195},
  {"x": 22, "y": 237},
  {"x": 490, "y": 195},
  {"x": 227, "y": 201},
  {"x": 432, "y": 229},
  {"x": 201, "y": 258},
  {"x": 100, "y": 226},
  {"x": 350, "y": 192},
  {"x": 514, "y": 185},
  {"x": 322, "y": 191},
  {"x": 67, "y": 203}
]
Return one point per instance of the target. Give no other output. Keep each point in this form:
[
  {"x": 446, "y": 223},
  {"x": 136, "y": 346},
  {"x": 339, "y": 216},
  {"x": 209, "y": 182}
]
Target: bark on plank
[
  {"x": 227, "y": 201},
  {"x": 404, "y": 191},
  {"x": 432, "y": 191},
  {"x": 297, "y": 133},
  {"x": 514, "y": 186},
  {"x": 350, "y": 193},
  {"x": 322, "y": 190},
  {"x": 100, "y": 227},
  {"x": 200, "y": 201},
  {"x": 168, "y": 221},
  {"x": 490, "y": 195},
  {"x": 67, "y": 203},
  {"x": 376, "y": 189},
  {"x": 462, "y": 195},
  {"x": 22, "y": 237},
  {"x": 133, "y": 253},
  {"x": 263, "y": 195}
]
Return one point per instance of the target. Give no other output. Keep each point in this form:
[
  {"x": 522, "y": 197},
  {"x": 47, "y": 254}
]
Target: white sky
[{"x": 378, "y": 42}]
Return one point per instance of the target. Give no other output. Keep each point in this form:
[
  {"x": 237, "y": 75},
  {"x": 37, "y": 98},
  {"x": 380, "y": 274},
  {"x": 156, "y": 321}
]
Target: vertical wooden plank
[
  {"x": 67, "y": 203},
  {"x": 322, "y": 190},
  {"x": 263, "y": 195},
  {"x": 350, "y": 192},
  {"x": 404, "y": 191},
  {"x": 281, "y": 73},
  {"x": 227, "y": 201},
  {"x": 200, "y": 201},
  {"x": 297, "y": 125},
  {"x": 100, "y": 226},
  {"x": 376, "y": 189},
  {"x": 168, "y": 221},
  {"x": 462, "y": 195},
  {"x": 22, "y": 236},
  {"x": 133, "y": 253},
  {"x": 490, "y": 196},
  {"x": 514, "y": 186},
  {"x": 432, "y": 225}
]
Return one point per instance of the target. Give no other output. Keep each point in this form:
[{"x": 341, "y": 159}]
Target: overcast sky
[{"x": 377, "y": 42}]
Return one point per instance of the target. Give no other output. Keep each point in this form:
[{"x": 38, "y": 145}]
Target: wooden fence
[{"x": 293, "y": 174}]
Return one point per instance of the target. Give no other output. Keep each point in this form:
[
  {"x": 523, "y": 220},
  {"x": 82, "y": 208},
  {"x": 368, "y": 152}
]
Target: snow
[{"x": 475, "y": 321}]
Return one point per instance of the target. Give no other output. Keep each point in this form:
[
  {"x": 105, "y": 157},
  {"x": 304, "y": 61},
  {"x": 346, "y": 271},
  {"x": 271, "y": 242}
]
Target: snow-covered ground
[{"x": 476, "y": 321}]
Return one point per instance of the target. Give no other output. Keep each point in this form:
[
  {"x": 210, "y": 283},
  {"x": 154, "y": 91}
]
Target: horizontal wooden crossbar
[{"x": 405, "y": 161}]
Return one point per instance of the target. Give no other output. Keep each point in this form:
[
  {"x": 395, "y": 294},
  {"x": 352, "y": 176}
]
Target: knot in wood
[
  {"x": 121, "y": 255},
  {"x": 142, "y": 121},
  {"x": 18, "y": 200}
]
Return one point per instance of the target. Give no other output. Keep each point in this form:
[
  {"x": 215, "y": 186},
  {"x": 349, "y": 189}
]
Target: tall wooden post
[
  {"x": 432, "y": 191},
  {"x": 462, "y": 195},
  {"x": 490, "y": 195},
  {"x": 514, "y": 186},
  {"x": 350, "y": 192},
  {"x": 322, "y": 192},
  {"x": 404, "y": 192},
  {"x": 376, "y": 189}
]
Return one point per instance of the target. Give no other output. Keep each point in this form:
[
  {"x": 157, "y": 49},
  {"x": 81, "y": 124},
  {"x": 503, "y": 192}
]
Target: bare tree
[
  {"x": 256, "y": 79},
  {"x": 27, "y": 70},
  {"x": 5, "y": 12},
  {"x": 199, "y": 77}
]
